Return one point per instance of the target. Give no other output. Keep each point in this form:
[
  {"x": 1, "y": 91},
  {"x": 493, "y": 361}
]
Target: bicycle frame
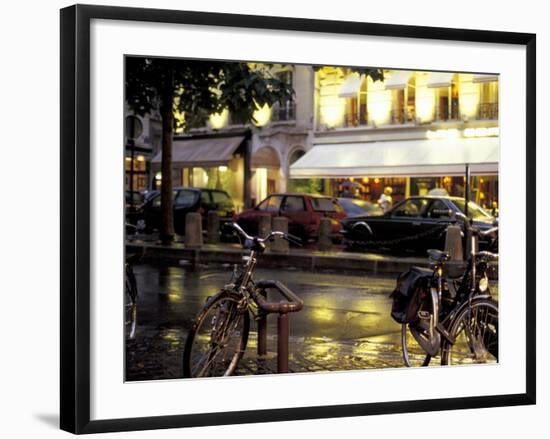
[{"x": 437, "y": 328}]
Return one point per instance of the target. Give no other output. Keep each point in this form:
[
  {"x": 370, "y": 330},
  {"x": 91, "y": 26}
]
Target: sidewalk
[
  {"x": 155, "y": 355},
  {"x": 308, "y": 259},
  {"x": 303, "y": 258}
]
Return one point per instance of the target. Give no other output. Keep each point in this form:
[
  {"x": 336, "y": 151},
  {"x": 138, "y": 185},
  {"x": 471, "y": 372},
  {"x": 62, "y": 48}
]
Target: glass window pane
[
  {"x": 274, "y": 203},
  {"x": 186, "y": 198},
  {"x": 324, "y": 205},
  {"x": 438, "y": 209},
  {"x": 411, "y": 208},
  {"x": 294, "y": 204},
  {"x": 221, "y": 198},
  {"x": 205, "y": 197}
]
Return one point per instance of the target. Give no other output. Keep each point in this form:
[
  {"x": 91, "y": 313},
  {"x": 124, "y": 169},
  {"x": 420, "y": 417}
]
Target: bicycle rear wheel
[
  {"x": 217, "y": 340},
  {"x": 130, "y": 302},
  {"x": 475, "y": 331},
  {"x": 415, "y": 332},
  {"x": 413, "y": 354}
]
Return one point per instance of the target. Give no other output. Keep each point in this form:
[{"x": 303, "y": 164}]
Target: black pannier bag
[{"x": 409, "y": 284}]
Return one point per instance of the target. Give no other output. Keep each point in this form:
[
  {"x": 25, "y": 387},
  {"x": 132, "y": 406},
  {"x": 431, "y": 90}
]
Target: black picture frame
[{"x": 75, "y": 217}]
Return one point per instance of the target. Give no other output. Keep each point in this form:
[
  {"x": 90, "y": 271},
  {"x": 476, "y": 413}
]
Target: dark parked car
[
  {"x": 422, "y": 215},
  {"x": 304, "y": 212},
  {"x": 133, "y": 199},
  {"x": 186, "y": 199},
  {"x": 354, "y": 207}
]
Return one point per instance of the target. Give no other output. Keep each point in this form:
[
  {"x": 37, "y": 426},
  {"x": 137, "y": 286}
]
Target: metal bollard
[
  {"x": 193, "y": 230},
  {"x": 280, "y": 224},
  {"x": 282, "y": 343},
  {"x": 453, "y": 243},
  {"x": 325, "y": 243},
  {"x": 262, "y": 336},
  {"x": 213, "y": 227},
  {"x": 262, "y": 329}
]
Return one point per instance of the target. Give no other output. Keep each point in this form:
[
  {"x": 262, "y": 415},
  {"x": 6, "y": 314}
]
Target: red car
[{"x": 304, "y": 212}]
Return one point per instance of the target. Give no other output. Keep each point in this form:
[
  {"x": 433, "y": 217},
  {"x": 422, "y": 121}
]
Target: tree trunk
[{"x": 166, "y": 197}]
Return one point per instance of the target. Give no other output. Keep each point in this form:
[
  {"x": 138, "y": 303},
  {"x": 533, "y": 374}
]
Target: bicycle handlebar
[
  {"x": 270, "y": 237},
  {"x": 487, "y": 255}
]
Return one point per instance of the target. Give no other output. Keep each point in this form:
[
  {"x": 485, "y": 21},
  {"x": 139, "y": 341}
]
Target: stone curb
[{"x": 303, "y": 259}]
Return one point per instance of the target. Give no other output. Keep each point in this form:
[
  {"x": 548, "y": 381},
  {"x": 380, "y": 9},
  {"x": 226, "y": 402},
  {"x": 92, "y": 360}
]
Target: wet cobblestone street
[{"x": 345, "y": 323}]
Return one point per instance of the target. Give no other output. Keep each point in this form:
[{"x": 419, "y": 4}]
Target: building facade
[
  {"x": 252, "y": 161},
  {"x": 454, "y": 113},
  {"x": 143, "y": 135},
  {"x": 328, "y": 138}
]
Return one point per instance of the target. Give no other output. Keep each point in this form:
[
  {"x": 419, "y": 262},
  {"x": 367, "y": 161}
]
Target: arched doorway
[{"x": 266, "y": 173}]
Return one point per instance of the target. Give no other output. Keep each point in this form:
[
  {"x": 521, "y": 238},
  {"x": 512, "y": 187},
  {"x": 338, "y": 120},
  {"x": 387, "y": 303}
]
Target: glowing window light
[
  {"x": 468, "y": 96},
  {"x": 424, "y": 98},
  {"x": 378, "y": 102},
  {"x": 219, "y": 120},
  {"x": 332, "y": 110},
  {"x": 262, "y": 115}
]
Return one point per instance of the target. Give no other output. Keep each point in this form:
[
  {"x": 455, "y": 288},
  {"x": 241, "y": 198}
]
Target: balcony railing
[
  {"x": 285, "y": 112},
  {"x": 443, "y": 112},
  {"x": 488, "y": 110},
  {"x": 402, "y": 115},
  {"x": 355, "y": 120}
]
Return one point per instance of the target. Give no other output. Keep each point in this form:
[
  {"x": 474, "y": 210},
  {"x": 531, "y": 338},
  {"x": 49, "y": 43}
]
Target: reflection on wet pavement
[{"x": 345, "y": 323}]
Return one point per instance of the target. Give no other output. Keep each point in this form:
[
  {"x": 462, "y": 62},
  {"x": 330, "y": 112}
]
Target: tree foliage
[
  {"x": 198, "y": 89},
  {"x": 201, "y": 88}
]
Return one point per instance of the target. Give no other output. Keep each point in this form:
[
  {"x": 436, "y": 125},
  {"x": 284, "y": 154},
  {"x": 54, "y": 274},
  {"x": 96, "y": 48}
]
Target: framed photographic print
[{"x": 272, "y": 218}]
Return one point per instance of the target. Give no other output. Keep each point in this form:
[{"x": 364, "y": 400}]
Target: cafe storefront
[
  {"x": 410, "y": 167},
  {"x": 209, "y": 162}
]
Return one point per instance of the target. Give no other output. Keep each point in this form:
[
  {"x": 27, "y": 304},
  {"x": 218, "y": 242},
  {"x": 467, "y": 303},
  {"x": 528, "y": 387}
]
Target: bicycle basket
[{"x": 404, "y": 308}]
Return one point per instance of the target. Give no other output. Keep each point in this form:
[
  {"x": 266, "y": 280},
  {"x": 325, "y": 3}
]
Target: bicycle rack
[{"x": 292, "y": 303}]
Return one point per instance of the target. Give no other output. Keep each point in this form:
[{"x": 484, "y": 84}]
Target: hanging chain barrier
[{"x": 429, "y": 232}]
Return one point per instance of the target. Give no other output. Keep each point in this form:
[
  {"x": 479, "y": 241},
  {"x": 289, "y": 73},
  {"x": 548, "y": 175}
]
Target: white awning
[
  {"x": 484, "y": 78},
  {"x": 440, "y": 79},
  {"x": 202, "y": 152},
  {"x": 407, "y": 158},
  {"x": 398, "y": 80},
  {"x": 351, "y": 86}
]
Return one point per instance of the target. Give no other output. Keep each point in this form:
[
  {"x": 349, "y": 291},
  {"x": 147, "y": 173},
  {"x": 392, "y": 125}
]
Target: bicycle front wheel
[
  {"x": 217, "y": 341},
  {"x": 475, "y": 334}
]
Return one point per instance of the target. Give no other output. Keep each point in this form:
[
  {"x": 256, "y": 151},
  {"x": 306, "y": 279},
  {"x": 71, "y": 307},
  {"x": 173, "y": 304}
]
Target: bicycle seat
[{"x": 438, "y": 255}]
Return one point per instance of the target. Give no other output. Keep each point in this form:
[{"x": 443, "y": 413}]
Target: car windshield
[
  {"x": 185, "y": 198},
  {"x": 324, "y": 205},
  {"x": 475, "y": 211},
  {"x": 358, "y": 207},
  {"x": 221, "y": 199}
]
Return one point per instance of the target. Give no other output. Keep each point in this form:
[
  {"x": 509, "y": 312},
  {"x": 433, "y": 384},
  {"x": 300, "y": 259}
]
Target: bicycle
[
  {"x": 451, "y": 311},
  {"x": 130, "y": 293},
  {"x": 218, "y": 338}
]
